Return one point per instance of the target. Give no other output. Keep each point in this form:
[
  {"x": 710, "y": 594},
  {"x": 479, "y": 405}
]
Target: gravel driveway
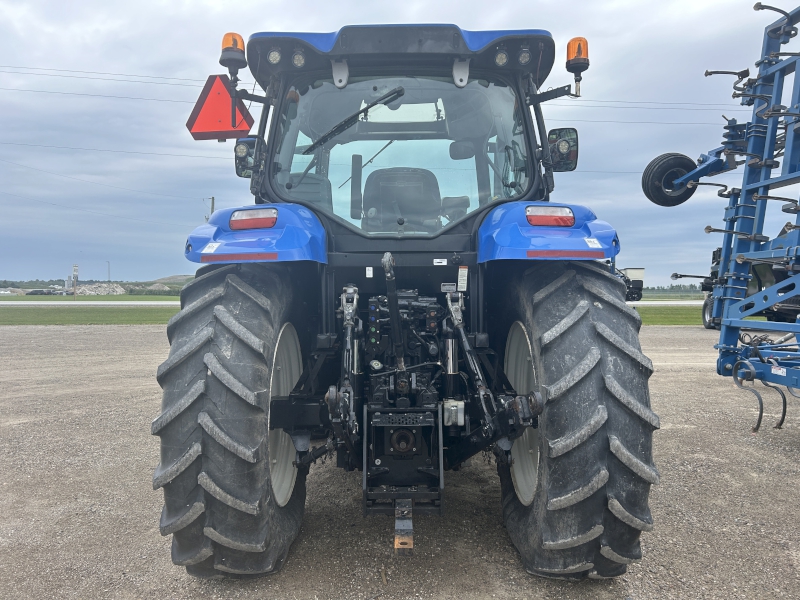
[{"x": 80, "y": 518}]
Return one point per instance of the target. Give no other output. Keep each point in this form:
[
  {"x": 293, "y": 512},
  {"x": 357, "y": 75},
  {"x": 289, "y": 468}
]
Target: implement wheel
[
  {"x": 708, "y": 306},
  {"x": 575, "y": 490},
  {"x": 658, "y": 178},
  {"x": 233, "y": 500}
]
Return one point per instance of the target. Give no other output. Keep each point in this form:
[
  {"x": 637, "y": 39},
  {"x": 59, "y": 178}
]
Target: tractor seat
[{"x": 402, "y": 192}]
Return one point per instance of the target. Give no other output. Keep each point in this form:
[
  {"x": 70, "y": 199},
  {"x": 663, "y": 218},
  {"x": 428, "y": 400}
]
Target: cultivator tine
[
  {"x": 749, "y": 376},
  {"x": 759, "y": 6},
  {"x": 723, "y": 193},
  {"x": 779, "y": 424}
]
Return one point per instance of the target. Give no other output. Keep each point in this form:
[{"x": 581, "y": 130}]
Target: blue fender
[
  {"x": 505, "y": 234},
  {"x": 296, "y": 235}
]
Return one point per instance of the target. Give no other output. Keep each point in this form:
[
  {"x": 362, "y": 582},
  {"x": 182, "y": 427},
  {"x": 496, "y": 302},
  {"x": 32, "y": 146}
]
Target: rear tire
[
  {"x": 658, "y": 177},
  {"x": 577, "y": 502},
  {"x": 233, "y": 500}
]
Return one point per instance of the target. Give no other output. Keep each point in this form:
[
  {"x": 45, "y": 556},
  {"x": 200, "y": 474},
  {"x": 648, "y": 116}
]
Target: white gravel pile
[
  {"x": 100, "y": 289},
  {"x": 160, "y": 287}
]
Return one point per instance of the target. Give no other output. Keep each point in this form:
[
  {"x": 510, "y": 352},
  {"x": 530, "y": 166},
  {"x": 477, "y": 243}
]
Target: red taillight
[
  {"x": 550, "y": 216},
  {"x": 259, "y": 218}
]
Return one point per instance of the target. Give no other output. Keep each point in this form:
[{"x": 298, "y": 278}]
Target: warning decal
[{"x": 211, "y": 116}]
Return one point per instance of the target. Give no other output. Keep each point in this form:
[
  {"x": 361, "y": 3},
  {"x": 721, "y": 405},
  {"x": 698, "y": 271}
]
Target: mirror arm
[
  {"x": 245, "y": 95},
  {"x": 564, "y": 90},
  {"x": 547, "y": 161},
  {"x": 258, "y": 172}
]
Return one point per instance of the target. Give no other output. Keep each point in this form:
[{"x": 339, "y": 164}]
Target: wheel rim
[
  {"x": 518, "y": 366},
  {"x": 287, "y": 365},
  {"x": 668, "y": 179},
  {"x": 707, "y": 312}
]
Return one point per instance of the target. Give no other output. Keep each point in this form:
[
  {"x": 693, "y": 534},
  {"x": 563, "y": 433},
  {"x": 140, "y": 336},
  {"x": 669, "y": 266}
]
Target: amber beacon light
[
  {"x": 577, "y": 60},
  {"x": 232, "y": 56}
]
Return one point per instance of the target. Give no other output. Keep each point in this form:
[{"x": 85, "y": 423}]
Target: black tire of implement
[
  {"x": 659, "y": 175},
  {"x": 779, "y": 317},
  {"x": 708, "y": 322},
  {"x": 633, "y": 295},
  {"x": 218, "y": 502},
  {"x": 595, "y": 434}
]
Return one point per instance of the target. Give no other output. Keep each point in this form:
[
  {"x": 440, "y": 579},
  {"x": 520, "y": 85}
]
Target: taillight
[
  {"x": 260, "y": 218},
  {"x": 550, "y": 216}
]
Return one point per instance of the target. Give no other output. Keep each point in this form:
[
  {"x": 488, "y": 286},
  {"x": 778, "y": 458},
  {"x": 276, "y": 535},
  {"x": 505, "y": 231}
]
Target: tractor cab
[{"x": 399, "y": 129}]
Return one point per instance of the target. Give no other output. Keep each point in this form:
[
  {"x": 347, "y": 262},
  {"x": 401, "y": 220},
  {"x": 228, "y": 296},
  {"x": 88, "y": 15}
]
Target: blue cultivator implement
[{"x": 757, "y": 274}]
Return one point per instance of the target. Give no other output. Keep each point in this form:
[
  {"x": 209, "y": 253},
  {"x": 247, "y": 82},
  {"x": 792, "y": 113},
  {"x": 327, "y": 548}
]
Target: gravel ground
[{"x": 79, "y": 517}]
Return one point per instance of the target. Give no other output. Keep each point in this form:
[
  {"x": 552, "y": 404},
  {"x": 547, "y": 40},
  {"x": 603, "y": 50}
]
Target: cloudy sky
[{"x": 96, "y": 163}]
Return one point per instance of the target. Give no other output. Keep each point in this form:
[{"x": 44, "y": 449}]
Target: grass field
[
  {"x": 671, "y": 315},
  {"x": 86, "y": 315},
  {"x": 146, "y": 315},
  {"x": 120, "y": 297}
]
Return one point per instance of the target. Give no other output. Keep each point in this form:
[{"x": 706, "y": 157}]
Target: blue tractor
[
  {"x": 751, "y": 273},
  {"x": 401, "y": 296}
]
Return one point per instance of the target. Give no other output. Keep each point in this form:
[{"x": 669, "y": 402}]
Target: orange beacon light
[
  {"x": 577, "y": 60},
  {"x": 233, "y": 56}
]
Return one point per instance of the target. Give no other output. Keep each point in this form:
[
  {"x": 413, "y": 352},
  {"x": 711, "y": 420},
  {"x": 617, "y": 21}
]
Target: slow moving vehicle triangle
[{"x": 211, "y": 116}]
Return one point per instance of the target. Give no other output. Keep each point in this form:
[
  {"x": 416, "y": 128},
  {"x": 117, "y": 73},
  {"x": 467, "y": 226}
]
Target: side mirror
[
  {"x": 244, "y": 153},
  {"x": 563, "y": 148},
  {"x": 462, "y": 150}
]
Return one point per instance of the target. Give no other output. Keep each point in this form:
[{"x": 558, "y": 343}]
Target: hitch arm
[
  {"x": 458, "y": 323},
  {"x": 472, "y": 362},
  {"x": 517, "y": 412}
]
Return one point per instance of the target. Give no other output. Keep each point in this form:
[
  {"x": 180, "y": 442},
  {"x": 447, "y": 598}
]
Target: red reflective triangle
[{"x": 211, "y": 116}]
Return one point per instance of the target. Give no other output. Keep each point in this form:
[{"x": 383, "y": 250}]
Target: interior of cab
[{"x": 427, "y": 157}]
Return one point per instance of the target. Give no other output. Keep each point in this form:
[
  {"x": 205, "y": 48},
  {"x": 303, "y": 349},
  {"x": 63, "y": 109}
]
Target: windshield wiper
[{"x": 353, "y": 119}]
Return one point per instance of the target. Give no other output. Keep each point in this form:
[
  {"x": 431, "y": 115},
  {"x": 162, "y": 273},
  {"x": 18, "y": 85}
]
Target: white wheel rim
[
  {"x": 518, "y": 366},
  {"x": 287, "y": 366}
]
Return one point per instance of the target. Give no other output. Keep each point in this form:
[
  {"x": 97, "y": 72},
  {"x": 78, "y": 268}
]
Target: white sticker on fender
[
  {"x": 779, "y": 371},
  {"x": 211, "y": 247},
  {"x": 593, "y": 243}
]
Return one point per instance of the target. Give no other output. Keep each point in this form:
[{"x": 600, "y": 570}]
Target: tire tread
[
  {"x": 596, "y": 466},
  {"x": 217, "y": 494}
]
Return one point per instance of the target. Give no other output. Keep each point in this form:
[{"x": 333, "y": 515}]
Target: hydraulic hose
[{"x": 394, "y": 310}]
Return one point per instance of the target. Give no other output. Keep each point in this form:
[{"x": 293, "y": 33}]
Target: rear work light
[
  {"x": 260, "y": 218},
  {"x": 550, "y": 216}
]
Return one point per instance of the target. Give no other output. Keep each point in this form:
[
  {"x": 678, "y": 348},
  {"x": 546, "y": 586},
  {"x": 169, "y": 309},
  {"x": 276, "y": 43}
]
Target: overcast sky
[{"x": 137, "y": 181}]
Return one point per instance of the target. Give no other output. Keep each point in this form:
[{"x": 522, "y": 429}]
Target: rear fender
[
  {"x": 296, "y": 235},
  {"x": 505, "y": 234}
]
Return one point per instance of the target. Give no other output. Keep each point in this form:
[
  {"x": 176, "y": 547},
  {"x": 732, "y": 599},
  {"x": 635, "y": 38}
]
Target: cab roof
[{"x": 396, "y": 45}]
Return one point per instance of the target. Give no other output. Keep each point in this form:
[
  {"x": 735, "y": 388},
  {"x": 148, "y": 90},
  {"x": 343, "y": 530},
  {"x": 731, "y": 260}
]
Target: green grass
[
  {"x": 662, "y": 297},
  {"x": 86, "y": 315},
  {"x": 157, "y": 315},
  {"x": 120, "y": 297},
  {"x": 675, "y": 315},
  {"x": 671, "y": 315}
]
